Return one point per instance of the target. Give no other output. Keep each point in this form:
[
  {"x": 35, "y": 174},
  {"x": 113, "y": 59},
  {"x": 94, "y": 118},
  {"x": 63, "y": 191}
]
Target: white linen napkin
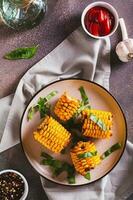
[{"x": 77, "y": 56}]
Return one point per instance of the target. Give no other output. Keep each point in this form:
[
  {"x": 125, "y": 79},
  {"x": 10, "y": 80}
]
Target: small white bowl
[
  {"x": 105, "y": 5},
  {"x": 26, "y": 187}
]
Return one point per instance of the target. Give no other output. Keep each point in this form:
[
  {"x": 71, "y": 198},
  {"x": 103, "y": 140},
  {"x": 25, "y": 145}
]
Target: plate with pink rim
[{"x": 100, "y": 99}]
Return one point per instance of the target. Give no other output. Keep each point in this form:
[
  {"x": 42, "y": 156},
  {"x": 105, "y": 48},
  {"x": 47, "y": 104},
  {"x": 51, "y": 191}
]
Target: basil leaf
[
  {"x": 84, "y": 97},
  {"x": 50, "y": 95},
  {"x": 88, "y": 175},
  {"x": 31, "y": 112},
  {"x": 22, "y": 53},
  {"x": 93, "y": 118},
  {"x": 83, "y": 107},
  {"x": 70, "y": 123},
  {"x": 87, "y": 154},
  {"x": 98, "y": 121},
  {"x": 115, "y": 147},
  {"x": 110, "y": 150},
  {"x": 57, "y": 171},
  {"x": 45, "y": 155},
  {"x": 71, "y": 179},
  {"x": 57, "y": 164},
  {"x": 42, "y": 106},
  {"x": 48, "y": 162},
  {"x": 69, "y": 169},
  {"x": 58, "y": 167}
]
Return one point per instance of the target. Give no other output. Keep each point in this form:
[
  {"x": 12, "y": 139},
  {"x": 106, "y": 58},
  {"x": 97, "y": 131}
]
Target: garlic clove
[
  {"x": 129, "y": 44},
  {"x": 122, "y": 51},
  {"x": 130, "y": 56}
]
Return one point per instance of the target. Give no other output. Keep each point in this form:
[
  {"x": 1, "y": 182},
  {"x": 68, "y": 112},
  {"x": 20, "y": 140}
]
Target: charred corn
[
  {"x": 52, "y": 135},
  {"x": 101, "y": 128},
  {"x": 66, "y": 107},
  {"x": 85, "y": 157}
]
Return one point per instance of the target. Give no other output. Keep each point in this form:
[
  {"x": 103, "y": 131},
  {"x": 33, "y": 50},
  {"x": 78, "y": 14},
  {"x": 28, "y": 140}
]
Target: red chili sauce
[{"x": 99, "y": 21}]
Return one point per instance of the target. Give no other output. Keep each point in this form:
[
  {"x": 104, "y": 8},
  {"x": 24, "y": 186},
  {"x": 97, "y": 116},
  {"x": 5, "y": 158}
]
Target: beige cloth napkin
[{"x": 77, "y": 56}]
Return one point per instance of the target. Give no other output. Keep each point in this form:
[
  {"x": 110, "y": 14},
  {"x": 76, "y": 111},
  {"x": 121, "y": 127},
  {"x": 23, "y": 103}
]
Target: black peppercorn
[{"x": 11, "y": 186}]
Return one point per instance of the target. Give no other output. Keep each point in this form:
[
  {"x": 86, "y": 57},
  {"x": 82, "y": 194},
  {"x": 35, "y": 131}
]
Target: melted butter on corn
[
  {"x": 66, "y": 107},
  {"x": 91, "y": 129},
  {"x": 83, "y": 165},
  {"x": 52, "y": 135}
]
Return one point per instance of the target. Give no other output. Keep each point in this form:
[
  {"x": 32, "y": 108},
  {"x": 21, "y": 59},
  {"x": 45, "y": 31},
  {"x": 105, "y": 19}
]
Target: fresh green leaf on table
[{"x": 21, "y": 53}]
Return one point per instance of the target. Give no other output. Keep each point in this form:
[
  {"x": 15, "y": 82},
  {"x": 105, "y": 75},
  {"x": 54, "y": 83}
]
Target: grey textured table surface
[{"x": 62, "y": 18}]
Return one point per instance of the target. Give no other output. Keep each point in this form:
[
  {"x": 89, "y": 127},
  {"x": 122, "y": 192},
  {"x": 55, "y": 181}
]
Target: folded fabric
[{"x": 5, "y": 104}]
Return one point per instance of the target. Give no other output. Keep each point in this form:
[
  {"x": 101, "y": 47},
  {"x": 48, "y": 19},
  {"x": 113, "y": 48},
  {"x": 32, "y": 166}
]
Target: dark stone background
[{"x": 62, "y": 18}]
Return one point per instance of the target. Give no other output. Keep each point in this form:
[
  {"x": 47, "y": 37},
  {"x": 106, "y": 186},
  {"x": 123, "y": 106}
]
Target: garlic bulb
[{"x": 124, "y": 49}]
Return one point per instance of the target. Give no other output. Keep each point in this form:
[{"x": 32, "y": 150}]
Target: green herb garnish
[
  {"x": 70, "y": 172},
  {"x": 42, "y": 106},
  {"x": 98, "y": 121},
  {"x": 84, "y": 96},
  {"x": 83, "y": 107},
  {"x": 87, "y": 154},
  {"x": 57, "y": 164},
  {"x": 111, "y": 150},
  {"x": 57, "y": 171},
  {"x": 84, "y": 103},
  {"x": 22, "y": 53},
  {"x": 58, "y": 167},
  {"x": 32, "y": 111},
  {"x": 71, "y": 179},
  {"x": 88, "y": 175},
  {"x": 48, "y": 162},
  {"x": 46, "y": 155}
]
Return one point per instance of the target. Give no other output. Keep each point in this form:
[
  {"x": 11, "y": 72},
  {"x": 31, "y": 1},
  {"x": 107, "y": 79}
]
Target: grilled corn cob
[
  {"x": 66, "y": 107},
  {"x": 91, "y": 129},
  {"x": 81, "y": 162},
  {"x": 52, "y": 135}
]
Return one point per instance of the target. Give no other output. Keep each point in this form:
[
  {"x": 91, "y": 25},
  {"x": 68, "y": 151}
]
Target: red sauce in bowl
[{"x": 99, "y": 21}]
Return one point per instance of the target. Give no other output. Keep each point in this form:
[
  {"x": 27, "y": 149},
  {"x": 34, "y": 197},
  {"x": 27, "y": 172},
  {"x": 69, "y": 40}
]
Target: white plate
[{"x": 100, "y": 99}]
